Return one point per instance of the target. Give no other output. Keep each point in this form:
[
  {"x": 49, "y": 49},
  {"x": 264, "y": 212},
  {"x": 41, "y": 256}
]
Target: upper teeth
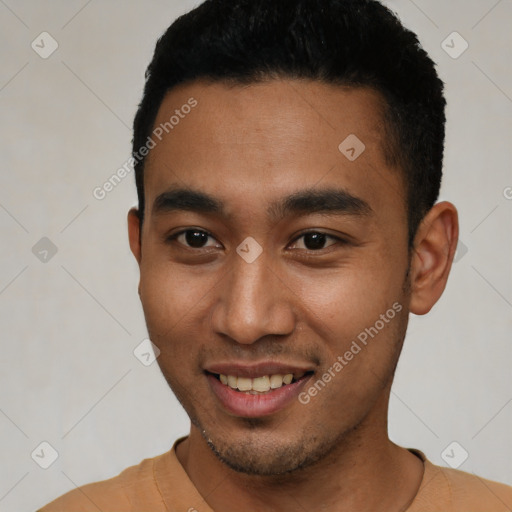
[{"x": 260, "y": 384}]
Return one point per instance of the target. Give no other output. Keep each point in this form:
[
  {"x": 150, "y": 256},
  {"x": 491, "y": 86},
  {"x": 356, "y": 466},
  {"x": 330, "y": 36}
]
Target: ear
[
  {"x": 435, "y": 244},
  {"x": 134, "y": 233}
]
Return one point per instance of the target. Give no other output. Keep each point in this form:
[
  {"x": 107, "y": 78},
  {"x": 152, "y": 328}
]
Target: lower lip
[{"x": 254, "y": 406}]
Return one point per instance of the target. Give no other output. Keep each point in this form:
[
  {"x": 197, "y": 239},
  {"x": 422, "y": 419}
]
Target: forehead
[{"x": 258, "y": 142}]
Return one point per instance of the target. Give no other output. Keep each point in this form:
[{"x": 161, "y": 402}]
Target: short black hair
[{"x": 355, "y": 43}]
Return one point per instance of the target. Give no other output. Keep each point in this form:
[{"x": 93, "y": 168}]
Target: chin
[{"x": 259, "y": 455}]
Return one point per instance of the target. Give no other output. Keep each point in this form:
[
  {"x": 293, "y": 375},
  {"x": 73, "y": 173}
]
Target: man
[{"x": 288, "y": 159}]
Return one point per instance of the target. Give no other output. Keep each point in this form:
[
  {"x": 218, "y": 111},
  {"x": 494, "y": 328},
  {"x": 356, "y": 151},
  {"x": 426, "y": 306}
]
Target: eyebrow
[{"x": 303, "y": 202}]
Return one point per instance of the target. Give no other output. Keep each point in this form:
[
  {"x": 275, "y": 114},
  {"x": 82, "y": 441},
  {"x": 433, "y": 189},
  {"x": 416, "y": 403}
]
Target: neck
[{"x": 366, "y": 471}]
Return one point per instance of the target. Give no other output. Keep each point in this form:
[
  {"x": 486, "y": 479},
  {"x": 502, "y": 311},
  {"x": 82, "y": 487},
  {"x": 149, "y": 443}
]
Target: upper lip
[{"x": 260, "y": 369}]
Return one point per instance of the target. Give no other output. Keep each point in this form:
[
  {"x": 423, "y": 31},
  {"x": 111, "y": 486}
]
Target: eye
[
  {"x": 193, "y": 238},
  {"x": 315, "y": 241}
]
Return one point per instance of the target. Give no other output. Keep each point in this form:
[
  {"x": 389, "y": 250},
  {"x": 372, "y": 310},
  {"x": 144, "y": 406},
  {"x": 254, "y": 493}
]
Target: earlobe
[
  {"x": 434, "y": 249},
  {"x": 134, "y": 233}
]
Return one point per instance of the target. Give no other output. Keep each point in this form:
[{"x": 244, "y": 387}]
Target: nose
[{"x": 253, "y": 301}]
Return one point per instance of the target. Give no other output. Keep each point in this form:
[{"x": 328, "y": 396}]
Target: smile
[
  {"x": 258, "y": 385},
  {"x": 256, "y": 393}
]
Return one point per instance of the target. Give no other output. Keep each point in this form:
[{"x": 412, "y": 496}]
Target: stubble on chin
[{"x": 256, "y": 458}]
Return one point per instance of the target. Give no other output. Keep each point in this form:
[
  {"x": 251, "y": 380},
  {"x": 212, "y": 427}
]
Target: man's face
[{"x": 329, "y": 266}]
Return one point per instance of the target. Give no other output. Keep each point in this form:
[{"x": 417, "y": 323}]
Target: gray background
[{"x": 70, "y": 324}]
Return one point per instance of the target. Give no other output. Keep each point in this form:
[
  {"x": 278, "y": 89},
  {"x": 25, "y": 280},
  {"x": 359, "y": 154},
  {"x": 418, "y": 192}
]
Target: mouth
[
  {"x": 252, "y": 392},
  {"x": 260, "y": 385}
]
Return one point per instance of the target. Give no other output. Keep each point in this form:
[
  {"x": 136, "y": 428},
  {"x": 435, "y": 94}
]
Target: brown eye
[
  {"x": 193, "y": 238},
  {"x": 315, "y": 241},
  {"x": 196, "y": 239}
]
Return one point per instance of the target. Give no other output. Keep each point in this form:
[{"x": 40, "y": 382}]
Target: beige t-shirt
[{"x": 161, "y": 484}]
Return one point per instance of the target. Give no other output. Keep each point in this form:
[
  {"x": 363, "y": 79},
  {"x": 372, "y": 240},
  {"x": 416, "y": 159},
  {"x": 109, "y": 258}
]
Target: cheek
[
  {"x": 176, "y": 304},
  {"x": 351, "y": 296},
  {"x": 358, "y": 363},
  {"x": 167, "y": 297},
  {"x": 165, "y": 311}
]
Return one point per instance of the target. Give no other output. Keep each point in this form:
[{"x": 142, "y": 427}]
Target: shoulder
[
  {"x": 445, "y": 489},
  {"x": 116, "y": 493},
  {"x": 477, "y": 493}
]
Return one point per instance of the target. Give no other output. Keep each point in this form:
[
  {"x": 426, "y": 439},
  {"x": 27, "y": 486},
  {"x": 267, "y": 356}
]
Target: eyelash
[{"x": 340, "y": 241}]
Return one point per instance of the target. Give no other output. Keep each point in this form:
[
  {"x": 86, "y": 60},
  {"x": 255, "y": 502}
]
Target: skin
[{"x": 249, "y": 146}]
